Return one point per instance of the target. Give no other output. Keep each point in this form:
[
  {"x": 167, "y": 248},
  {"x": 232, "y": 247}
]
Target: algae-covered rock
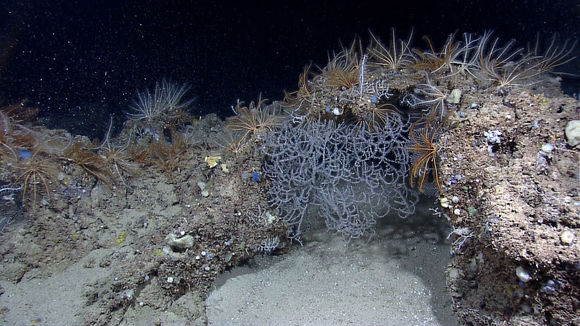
[
  {"x": 212, "y": 161},
  {"x": 454, "y": 97},
  {"x": 182, "y": 243}
]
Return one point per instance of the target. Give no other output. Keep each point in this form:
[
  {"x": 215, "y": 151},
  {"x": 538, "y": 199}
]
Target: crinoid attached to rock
[
  {"x": 429, "y": 95},
  {"x": 165, "y": 155},
  {"x": 374, "y": 116},
  {"x": 254, "y": 119},
  {"x": 504, "y": 66},
  {"x": 20, "y": 112},
  {"x": 305, "y": 93},
  {"x": 230, "y": 141},
  {"x": 90, "y": 161},
  {"x": 342, "y": 71},
  {"x": 37, "y": 175},
  {"x": 433, "y": 60},
  {"x": 13, "y": 135},
  {"x": 394, "y": 57},
  {"x": 167, "y": 100},
  {"x": 554, "y": 55},
  {"x": 464, "y": 60},
  {"x": 116, "y": 158},
  {"x": 423, "y": 134},
  {"x": 6, "y": 137}
]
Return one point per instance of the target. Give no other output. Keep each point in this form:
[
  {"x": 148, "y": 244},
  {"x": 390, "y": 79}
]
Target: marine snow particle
[
  {"x": 522, "y": 274},
  {"x": 170, "y": 279},
  {"x": 567, "y": 237}
]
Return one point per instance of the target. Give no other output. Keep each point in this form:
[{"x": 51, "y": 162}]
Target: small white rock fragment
[
  {"x": 129, "y": 293},
  {"x": 522, "y": 274},
  {"x": 493, "y": 136},
  {"x": 480, "y": 258},
  {"x": 547, "y": 148},
  {"x": 527, "y": 309},
  {"x": 271, "y": 218},
  {"x": 454, "y": 274},
  {"x": 170, "y": 279},
  {"x": 202, "y": 186},
  {"x": 180, "y": 243},
  {"x": 444, "y": 202},
  {"x": 573, "y": 132},
  {"x": 567, "y": 237}
]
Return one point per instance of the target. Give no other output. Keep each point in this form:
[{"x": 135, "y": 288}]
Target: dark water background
[{"x": 81, "y": 61}]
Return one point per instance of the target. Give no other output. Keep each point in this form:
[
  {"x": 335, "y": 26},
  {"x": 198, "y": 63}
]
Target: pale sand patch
[{"x": 396, "y": 279}]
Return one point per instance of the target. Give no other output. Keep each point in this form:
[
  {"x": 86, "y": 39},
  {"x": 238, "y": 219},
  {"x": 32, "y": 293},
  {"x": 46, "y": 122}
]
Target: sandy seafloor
[{"x": 398, "y": 278}]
